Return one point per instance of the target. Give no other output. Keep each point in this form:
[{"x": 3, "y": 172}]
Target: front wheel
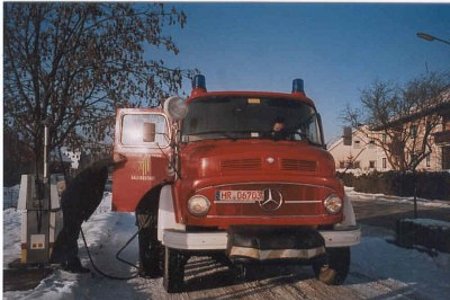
[
  {"x": 150, "y": 249},
  {"x": 174, "y": 262},
  {"x": 333, "y": 268}
]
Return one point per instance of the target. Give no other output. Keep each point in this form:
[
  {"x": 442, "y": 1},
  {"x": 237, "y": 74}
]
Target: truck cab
[{"x": 242, "y": 174}]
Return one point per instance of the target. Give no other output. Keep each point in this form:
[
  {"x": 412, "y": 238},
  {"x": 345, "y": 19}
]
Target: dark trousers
[{"x": 65, "y": 250}]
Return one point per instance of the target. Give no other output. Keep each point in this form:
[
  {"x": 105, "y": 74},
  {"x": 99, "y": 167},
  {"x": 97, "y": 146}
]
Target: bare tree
[
  {"x": 77, "y": 62},
  {"x": 401, "y": 119}
]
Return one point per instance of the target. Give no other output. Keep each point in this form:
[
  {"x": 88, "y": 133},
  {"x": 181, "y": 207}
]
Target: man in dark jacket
[{"x": 78, "y": 202}]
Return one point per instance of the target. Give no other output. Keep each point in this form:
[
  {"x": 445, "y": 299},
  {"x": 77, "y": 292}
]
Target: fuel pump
[{"x": 39, "y": 202}]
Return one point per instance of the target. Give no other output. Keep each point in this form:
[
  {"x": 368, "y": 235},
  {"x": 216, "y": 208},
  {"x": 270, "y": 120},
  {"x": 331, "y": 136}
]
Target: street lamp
[{"x": 430, "y": 38}]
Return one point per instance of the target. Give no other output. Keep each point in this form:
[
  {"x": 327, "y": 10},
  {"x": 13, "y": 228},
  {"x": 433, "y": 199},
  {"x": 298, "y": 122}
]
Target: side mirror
[
  {"x": 347, "y": 136},
  {"x": 148, "y": 132}
]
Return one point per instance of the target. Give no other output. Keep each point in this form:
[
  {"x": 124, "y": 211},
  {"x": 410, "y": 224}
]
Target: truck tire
[
  {"x": 239, "y": 272},
  {"x": 151, "y": 252},
  {"x": 333, "y": 268},
  {"x": 174, "y": 262}
]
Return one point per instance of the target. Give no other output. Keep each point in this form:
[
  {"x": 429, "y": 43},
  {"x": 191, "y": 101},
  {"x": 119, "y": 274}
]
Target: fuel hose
[{"x": 113, "y": 277}]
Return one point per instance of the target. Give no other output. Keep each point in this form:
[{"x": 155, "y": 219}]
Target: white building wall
[
  {"x": 370, "y": 152},
  {"x": 74, "y": 157},
  {"x": 362, "y": 152}
]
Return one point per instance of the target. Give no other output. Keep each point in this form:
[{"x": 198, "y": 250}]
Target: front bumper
[
  {"x": 195, "y": 240},
  {"x": 340, "y": 237},
  {"x": 269, "y": 243}
]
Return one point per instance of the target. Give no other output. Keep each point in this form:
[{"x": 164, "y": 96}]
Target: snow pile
[
  {"x": 10, "y": 196},
  {"x": 430, "y": 223},
  {"x": 11, "y": 235},
  {"x": 357, "y": 196}
]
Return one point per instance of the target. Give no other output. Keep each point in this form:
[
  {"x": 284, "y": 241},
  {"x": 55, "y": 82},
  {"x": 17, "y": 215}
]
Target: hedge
[
  {"x": 419, "y": 232},
  {"x": 429, "y": 185}
]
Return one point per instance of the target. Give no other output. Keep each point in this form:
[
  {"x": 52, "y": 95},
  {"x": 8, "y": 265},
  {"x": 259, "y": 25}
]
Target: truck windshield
[{"x": 251, "y": 118}]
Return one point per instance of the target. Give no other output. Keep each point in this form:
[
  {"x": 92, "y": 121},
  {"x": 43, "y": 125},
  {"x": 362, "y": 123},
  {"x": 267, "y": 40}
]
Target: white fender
[
  {"x": 349, "y": 214},
  {"x": 166, "y": 213},
  {"x": 344, "y": 234}
]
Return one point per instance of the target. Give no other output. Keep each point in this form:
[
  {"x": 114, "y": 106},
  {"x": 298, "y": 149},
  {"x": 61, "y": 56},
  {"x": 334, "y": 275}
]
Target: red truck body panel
[{"x": 304, "y": 174}]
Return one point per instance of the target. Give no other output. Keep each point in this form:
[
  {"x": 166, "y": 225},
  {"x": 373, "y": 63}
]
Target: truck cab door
[{"x": 147, "y": 157}]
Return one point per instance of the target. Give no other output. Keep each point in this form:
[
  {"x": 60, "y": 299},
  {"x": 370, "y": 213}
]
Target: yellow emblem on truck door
[{"x": 142, "y": 170}]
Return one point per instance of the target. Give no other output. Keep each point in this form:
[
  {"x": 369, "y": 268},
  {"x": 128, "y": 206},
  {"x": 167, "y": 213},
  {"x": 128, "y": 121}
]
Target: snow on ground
[
  {"x": 376, "y": 265},
  {"x": 430, "y": 223},
  {"x": 357, "y": 196},
  {"x": 105, "y": 233},
  {"x": 418, "y": 271},
  {"x": 11, "y": 235}
]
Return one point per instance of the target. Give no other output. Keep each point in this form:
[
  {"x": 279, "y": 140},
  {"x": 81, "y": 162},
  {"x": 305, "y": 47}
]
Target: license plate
[{"x": 240, "y": 196}]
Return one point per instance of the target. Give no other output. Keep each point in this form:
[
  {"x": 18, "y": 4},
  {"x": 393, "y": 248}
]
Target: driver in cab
[{"x": 279, "y": 131}]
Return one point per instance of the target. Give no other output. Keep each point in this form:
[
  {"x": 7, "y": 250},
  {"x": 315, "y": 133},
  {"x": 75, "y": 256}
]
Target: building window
[
  {"x": 341, "y": 164},
  {"x": 357, "y": 144},
  {"x": 372, "y": 164},
  {"x": 428, "y": 161},
  {"x": 384, "y": 163},
  {"x": 372, "y": 144},
  {"x": 384, "y": 138},
  {"x": 357, "y": 165}
]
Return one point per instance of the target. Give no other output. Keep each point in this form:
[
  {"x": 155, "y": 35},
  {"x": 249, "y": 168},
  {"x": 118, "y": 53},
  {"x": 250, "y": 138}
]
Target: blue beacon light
[
  {"x": 199, "y": 81},
  {"x": 298, "y": 86}
]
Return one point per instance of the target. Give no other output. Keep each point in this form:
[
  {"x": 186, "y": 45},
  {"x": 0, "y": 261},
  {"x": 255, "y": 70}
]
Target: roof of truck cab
[{"x": 251, "y": 94}]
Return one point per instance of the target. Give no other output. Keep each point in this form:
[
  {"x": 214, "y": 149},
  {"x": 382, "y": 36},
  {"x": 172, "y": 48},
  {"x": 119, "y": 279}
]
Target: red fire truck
[{"x": 241, "y": 174}]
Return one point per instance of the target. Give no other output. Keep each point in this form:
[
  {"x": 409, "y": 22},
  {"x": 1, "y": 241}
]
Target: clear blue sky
[{"x": 338, "y": 49}]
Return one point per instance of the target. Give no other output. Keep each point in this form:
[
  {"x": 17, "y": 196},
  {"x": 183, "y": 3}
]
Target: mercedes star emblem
[{"x": 272, "y": 200}]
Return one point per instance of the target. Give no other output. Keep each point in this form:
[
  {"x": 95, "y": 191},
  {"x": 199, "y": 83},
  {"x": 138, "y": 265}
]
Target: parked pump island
[{"x": 241, "y": 176}]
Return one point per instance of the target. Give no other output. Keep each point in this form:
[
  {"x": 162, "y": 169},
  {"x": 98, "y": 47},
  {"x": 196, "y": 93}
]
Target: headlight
[
  {"x": 198, "y": 205},
  {"x": 333, "y": 204}
]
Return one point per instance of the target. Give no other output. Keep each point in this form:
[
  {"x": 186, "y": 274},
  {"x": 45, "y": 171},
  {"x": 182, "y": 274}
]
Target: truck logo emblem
[
  {"x": 142, "y": 171},
  {"x": 270, "y": 160},
  {"x": 273, "y": 199},
  {"x": 144, "y": 167}
]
